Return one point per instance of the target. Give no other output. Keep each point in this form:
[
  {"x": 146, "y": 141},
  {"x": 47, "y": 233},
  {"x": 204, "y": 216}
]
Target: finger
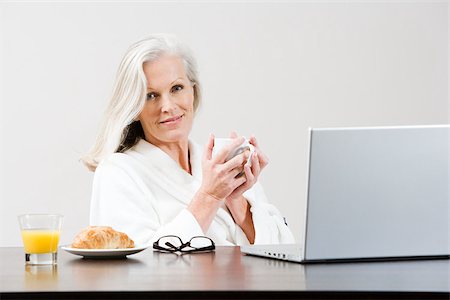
[
  {"x": 233, "y": 135},
  {"x": 256, "y": 168},
  {"x": 263, "y": 159},
  {"x": 233, "y": 173},
  {"x": 248, "y": 174},
  {"x": 235, "y": 162},
  {"x": 223, "y": 154},
  {"x": 237, "y": 172},
  {"x": 207, "y": 152},
  {"x": 244, "y": 186},
  {"x": 253, "y": 141},
  {"x": 239, "y": 183}
]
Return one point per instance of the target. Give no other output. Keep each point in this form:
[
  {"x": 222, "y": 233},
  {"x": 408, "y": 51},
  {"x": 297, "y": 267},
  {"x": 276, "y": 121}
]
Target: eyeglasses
[{"x": 173, "y": 243}]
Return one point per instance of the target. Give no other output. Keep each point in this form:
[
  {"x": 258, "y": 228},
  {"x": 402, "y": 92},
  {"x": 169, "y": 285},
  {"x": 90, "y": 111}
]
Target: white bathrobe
[{"x": 145, "y": 193}]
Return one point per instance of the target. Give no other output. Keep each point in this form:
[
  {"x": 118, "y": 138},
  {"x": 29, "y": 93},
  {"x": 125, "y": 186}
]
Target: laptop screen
[{"x": 378, "y": 192}]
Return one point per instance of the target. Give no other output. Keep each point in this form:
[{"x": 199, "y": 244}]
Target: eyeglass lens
[{"x": 199, "y": 242}]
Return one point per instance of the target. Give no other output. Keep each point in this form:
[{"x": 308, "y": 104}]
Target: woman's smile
[
  {"x": 173, "y": 119},
  {"x": 172, "y": 122}
]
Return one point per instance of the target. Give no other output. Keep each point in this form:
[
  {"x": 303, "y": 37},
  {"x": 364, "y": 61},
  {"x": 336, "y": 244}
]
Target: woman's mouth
[{"x": 172, "y": 120}]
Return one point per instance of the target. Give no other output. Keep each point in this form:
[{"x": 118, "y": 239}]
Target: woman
[{"x": 151, "y": 180}]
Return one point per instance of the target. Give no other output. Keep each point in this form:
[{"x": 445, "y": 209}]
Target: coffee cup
[{"x": 220, "y": 143}]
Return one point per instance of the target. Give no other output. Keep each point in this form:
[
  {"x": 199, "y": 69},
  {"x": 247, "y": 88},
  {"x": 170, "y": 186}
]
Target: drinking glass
[{"x": 40, "y": 235}]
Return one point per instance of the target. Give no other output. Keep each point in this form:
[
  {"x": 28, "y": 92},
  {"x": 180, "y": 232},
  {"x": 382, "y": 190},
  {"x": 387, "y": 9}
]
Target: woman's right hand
[{"x": 219, "y": 176}]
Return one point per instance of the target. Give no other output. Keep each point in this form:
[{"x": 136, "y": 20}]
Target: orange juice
[{"x": 37, "y": 241}]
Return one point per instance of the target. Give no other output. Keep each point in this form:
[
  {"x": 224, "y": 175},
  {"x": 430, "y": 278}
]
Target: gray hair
[{"x": 120, "y": 130}]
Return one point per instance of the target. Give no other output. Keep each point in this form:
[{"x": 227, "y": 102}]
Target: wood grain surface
[{"x": 222, "y": 274}]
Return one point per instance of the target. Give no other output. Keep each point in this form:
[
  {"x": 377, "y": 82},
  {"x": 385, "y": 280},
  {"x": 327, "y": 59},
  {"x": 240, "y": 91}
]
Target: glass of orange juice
[{"x": 40, "y": 236}]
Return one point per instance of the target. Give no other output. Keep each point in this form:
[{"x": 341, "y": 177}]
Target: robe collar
[
  {"x": 162, "y": 170},
  {"x": 166, "y": 171}
]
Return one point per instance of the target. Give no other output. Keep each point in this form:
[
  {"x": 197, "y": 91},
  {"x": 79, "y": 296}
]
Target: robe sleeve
[
  {"x": 269, "y": 224},
  {"x": 121, "y": 200}
]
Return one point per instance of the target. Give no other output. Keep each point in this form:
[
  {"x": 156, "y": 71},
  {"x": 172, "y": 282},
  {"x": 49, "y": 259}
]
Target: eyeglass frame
[{"x": 180, "y": 249}]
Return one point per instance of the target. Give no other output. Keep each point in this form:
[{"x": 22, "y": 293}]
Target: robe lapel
[{"x": 163, "y": 171}]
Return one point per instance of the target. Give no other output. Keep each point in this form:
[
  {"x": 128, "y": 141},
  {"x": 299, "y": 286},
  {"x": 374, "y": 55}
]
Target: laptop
[{"x": 373, "y": 193}]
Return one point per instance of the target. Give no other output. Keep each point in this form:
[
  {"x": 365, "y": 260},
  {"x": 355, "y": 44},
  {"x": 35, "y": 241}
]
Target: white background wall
[{"x": 269, "y": 69}]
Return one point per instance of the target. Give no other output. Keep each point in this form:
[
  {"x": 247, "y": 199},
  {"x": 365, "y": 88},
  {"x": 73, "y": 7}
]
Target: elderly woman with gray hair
[{"x": 151, "y": 180}]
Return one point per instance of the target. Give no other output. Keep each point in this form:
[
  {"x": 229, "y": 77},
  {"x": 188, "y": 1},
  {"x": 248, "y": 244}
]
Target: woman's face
[{"x": 169, "y": 109}]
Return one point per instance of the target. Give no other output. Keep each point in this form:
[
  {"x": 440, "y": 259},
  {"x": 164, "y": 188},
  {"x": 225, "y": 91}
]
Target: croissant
[{"x": 101, "y": 237}]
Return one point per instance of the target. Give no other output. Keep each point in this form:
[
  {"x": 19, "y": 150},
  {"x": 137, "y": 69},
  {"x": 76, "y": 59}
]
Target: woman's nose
[{"x": 167, "y": 103}]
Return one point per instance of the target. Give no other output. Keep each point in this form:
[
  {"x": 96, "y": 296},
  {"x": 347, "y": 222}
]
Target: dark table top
[{"x": 220, "y": 274}]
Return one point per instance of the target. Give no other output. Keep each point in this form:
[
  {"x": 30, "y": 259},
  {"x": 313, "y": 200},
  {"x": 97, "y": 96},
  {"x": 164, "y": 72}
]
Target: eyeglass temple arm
[
  {"x": 206, "y": 248},
  {"x": 174, "y": 247},
  {"x": 212, "y": 247},
  {"x": 156, "y": 246}
]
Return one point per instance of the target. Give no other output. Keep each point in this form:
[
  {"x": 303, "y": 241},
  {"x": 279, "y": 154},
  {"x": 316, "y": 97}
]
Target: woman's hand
[
  {"x": 219, "y": 181},
  {"x": 259, "y": 162},
  {"x": 219, "y": 177},
  {"x": 235, "y": 202}
]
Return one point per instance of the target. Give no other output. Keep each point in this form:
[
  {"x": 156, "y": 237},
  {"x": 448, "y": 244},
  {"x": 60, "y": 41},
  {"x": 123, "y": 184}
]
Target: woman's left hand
[{"x": 235, "y": 202}]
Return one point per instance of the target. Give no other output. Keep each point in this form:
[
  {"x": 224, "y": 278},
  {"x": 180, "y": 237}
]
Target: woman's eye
[
  {"x": 177, "y": 88},
  {"x": 151, "y": 96}
]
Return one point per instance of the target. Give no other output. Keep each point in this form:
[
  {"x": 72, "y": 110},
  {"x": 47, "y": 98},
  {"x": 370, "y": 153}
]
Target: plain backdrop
[{"x": 268, "y": 69}]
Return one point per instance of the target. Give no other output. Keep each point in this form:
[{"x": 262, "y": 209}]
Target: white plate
[{"x": 103, "y": 253}]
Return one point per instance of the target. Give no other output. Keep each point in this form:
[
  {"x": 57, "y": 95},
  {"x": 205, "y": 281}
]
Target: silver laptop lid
[{"x": 378, "y": 192}]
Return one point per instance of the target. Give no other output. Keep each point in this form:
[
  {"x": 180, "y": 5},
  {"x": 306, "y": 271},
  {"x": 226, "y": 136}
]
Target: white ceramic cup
[{"x": 219, "y": 143}]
